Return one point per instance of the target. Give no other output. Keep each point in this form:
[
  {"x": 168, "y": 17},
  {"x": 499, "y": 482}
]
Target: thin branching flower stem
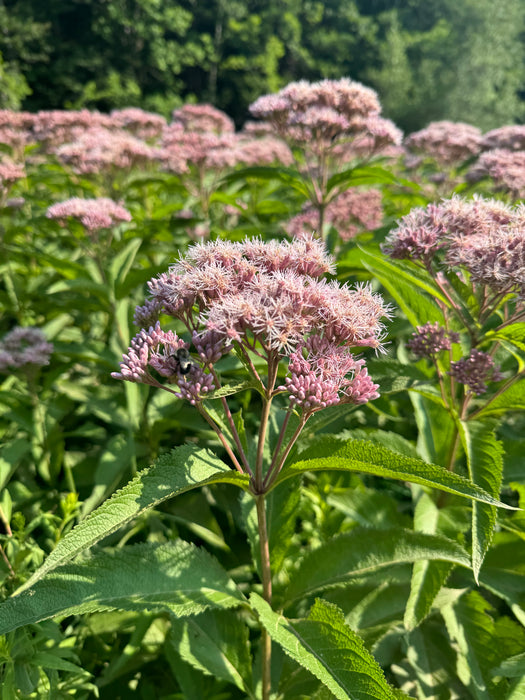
[
  {"x": 266, "y": 574},
  {"x": 221, "y": 437},
  {"x": 276, "y": 468}
]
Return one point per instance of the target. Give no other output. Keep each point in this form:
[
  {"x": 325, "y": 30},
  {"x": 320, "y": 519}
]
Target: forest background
[{"x": 432, "y": 60}]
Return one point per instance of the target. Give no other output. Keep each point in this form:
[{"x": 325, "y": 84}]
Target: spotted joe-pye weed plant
[{"x": 297, "y": 336}]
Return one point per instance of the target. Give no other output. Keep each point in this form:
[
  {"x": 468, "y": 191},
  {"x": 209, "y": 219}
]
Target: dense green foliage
[
  {"x": 441, "y": 60},
  {"x": 380, "y": 555}
]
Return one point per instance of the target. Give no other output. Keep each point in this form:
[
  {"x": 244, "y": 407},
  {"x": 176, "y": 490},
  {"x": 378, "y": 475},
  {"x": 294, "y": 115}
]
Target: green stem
[
  {"x": 220, "y": 435},
  {"x": 276, "y": 468},
  {"x": 266, "y": 575}
]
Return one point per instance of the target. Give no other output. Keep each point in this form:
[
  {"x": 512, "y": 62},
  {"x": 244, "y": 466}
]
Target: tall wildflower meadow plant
[
  {"x": 332, "y": 127},
  {"x": 266, "y": 313}
]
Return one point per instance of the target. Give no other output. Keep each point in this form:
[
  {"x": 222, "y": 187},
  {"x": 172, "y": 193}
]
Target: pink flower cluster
[
  {"x": 323, "y": 113},
  {"x": 9, "y": 173},
  {"x": 482, "y": 236},
  {"x": 430, "y": 339},
  {"x": 203, "y": 118},
  {"x": 144, "y": 125},
  {"x": 99, "y": 149},
  {"x": 447, "y": 143},
  {"x": 205, "y": 150},
  {"x": 265, "y": 299},
  {"x": 350, "y": 213},
  {"x": 511, "y": 138},
  {"x": 93, "y": 214},
  {"x": 15, "y": 130},
  {"x": 475, "y": 371},
  {"x": 24, "y": 348},
  {"x": 505, "y": 167},
  {"x": 55, "y": 127}
]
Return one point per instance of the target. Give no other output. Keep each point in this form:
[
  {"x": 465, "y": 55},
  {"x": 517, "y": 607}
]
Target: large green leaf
[
  {"x": 183, "y": 469},
  {"x": 122, "y": 262},
  {"x": 216, "y": 643},
  {"x": 513, "y": 399},
  {"x": 472, "y": 629},
  {"x": 405, "y": 282},
  {"x": 514, "y": 333},
  {"x": 360, "y": 552},
  {"x": 394, "y": 376},
  {"x": 433, "y": 661},
  {"x": 174, "y": 576},
  {"x": 326, "y": 646},
  {"x": 485, "y": 465},
  {"x": 428, "y": 576},
  {"x": 503, "y": 572},
  {"x": 331, "y": 453}
]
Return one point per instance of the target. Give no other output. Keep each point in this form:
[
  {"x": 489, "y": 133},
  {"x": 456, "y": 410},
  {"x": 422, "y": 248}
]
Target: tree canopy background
[{"x": 434, "y": 60}]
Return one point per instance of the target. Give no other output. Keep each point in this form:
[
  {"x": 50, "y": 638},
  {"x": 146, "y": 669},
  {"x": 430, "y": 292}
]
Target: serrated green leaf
[
  {"x": 174, "y": 576},
  {"x": 513, "y": 399},
  {"x": 514, "y": 333},
  {"x": 215, "y": 643},
  {"x": 326, "y": 646},
  {"x": 485, "y": 464},
  {"x": 183, "y": 469},
  {"x": 362, "y": 551},
  {"x": 394, "y": 376},
  {"x": 363, "y": 456}
]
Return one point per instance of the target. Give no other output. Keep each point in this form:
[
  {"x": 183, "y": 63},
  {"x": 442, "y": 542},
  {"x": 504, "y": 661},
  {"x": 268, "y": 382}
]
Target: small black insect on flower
[{"x": 184, "y": 360}]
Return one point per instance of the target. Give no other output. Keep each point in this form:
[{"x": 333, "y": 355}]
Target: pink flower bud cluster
[
  {"x": 505, "y": 167},
  {"x": 475, "y": 370},
  {"x": 482, "y": 236},
  {"x": 323, "y": 374},
  {"x": 100, "y": 149},
  {"x": 269, "y": 299},
  {"x": 23, "y": 348},
  {"x": 93, "y": 214},
  {"x": 325, "y": 112},
  {"x": 158, "y": 350},
  {"x": 431, "y": 339},
  {"x": 447, "y": 143},
  {"x": 418, "y": 235},
  {"x": 351, "y": 213}
]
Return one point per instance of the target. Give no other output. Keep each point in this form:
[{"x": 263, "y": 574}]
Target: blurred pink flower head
[
  {"x": 24, "y": 348},
  {"x": 203, "y": 118},
  {"x": 93, "y": 214},
  {"x": 326, "y": 112},
  {"x": 100, "y": 149},
  {"x": 448, "y": 143},
  {"x": 144, "y": 125}
]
